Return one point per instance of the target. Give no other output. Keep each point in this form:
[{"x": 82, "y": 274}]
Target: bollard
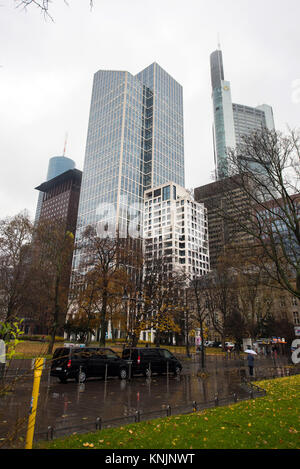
[
  {"x": 106, "y": 372},
  {"x": 98, "y": 423},
  {"x": 235, "y": 397},
  {"x": 38, "y": 366},
  {"x": 195, "y": 406},
  {"x": 130, "y": 365},
  {"x": 168, "y": 410},
  {"x": 137, "y": 416},
  {"x": 216, "y": 400},
  {"x": 50, "y": 433}
]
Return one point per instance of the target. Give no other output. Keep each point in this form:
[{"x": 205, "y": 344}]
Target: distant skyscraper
[
  {"x": 61, "y": 198},
  {"x": 57, "y": 165},
  {"x": 134, "y": 141},
  {"x": 232, "y": 121}
]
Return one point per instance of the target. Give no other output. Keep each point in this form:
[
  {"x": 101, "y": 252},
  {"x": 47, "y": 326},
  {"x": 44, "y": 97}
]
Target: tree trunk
[
  {"x": 134, "y": 340},
  {"x": 103, "y": 320},
  {"x": 55, "y": 316},
  {"x": 157, "y": 338},
  {"x": 202, "y": 346}
]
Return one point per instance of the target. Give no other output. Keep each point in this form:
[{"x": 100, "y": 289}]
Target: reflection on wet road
[{"x": 62, "y": 404}]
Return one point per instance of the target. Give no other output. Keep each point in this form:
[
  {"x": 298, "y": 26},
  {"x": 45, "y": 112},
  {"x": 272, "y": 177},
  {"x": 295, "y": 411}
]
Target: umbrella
[{"x": 250, "y": 351}]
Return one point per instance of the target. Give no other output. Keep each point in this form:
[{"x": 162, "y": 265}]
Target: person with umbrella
[{"x": 250, "y": 360}]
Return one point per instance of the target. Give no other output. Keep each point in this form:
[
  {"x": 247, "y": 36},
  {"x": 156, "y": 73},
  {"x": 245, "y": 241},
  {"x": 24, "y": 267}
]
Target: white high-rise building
[{"x": 175, "y": 230}]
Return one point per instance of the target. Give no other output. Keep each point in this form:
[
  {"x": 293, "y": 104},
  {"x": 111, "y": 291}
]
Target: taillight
[
  {"x": 139, "y": 360},
  {"x": 69, "y": 364}
]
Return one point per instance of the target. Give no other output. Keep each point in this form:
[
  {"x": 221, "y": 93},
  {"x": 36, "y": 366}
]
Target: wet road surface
[{"x": 74, "y": 407}]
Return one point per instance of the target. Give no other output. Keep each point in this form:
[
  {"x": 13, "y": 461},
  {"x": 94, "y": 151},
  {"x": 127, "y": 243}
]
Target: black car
[
  {"x": 80, "y": 363},
  {"x": 151, "y": 360}
]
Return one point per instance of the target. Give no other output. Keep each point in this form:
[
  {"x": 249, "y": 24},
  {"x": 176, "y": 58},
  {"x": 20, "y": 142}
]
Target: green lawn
[{"x": 266, "y": 423}]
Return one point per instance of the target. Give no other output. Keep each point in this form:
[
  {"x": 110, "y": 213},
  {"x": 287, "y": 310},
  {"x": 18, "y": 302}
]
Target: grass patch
[
  {"x": 268, "y": 422},
  {"x": 33, "y": 349}
]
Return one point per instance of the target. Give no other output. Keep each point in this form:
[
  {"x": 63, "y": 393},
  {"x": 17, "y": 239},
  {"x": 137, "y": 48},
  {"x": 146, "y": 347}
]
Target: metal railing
[{"x": 76, "y": 426}]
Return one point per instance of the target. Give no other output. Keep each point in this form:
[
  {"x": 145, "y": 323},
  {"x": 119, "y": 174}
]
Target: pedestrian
[{"x": 250, "y": 363}]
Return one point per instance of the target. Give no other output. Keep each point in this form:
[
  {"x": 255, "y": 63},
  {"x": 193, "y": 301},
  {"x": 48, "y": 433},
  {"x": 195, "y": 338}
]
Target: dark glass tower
[{"x": 57, "y": 165}]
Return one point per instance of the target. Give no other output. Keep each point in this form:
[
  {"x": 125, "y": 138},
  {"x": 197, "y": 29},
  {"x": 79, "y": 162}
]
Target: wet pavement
[{"x": 71, "y": 407}]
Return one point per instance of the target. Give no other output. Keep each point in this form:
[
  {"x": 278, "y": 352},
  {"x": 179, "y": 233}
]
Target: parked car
[
  {"x": 80, "y": 363},
  {"x": 208, "y": 343},
  {"x": 147, "y": 361},
  {"x": 216, "y": 344},
  {"x": 228, "y": 346}
]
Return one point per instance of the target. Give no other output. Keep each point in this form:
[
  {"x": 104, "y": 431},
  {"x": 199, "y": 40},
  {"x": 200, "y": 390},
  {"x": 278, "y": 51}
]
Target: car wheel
[
  {"x": 62, "y": 380},
  {"x": 81, "y": 377},
  {"x": 123, "y": 373}
]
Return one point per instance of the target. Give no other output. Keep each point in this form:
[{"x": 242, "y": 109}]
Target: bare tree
[
  {"x": 268, "y": 168},
  {"x": 52, "y": 260},
  {"x": 103, "y": 273},
  {"x": 42, "y": 5},
  {"x": 198, "y": 298},
  {"x": 221, "y": 298},
  {"x": 163, "y": 303},
  {"x": 15, "y": 255}
]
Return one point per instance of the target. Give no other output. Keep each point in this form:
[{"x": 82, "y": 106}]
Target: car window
[
  {"x": 148, "y": 353},
  {"x": 80, "y": 353},
  {"x": 60, "y": 352},
  {"x": 111, "y": 354},
  {"x": 126, "y": 353},
  {"x": 166, "y": 353},
  {"x": 96, "y": 354}
]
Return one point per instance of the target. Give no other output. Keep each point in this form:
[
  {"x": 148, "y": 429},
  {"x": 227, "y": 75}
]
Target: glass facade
[
  {"x": 134, "y": 141},
  {"x": 232, "y": 121},
  {"x": 224, "y": 136}
]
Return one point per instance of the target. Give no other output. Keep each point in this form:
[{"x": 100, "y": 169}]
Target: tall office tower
[
  {"x": 175, "y": 230},
  {"x": 232, "y": 121},
  {"x": 134, "y": 141},
  {"x": 57, "y": 165}
]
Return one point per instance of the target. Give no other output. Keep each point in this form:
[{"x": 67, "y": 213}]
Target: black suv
[
  {"x": 151, "y": 360},
  {"x": 80, "y": 363}
]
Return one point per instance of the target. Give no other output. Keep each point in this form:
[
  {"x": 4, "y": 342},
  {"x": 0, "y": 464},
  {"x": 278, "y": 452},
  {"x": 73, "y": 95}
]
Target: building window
[
  {"x": 166, "y": 193},
  {"x": 296, "y": 318}
]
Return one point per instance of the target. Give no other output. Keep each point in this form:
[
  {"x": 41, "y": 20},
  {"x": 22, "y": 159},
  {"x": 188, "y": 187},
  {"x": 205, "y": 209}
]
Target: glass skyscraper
[
  {"x": 134, "y": 141},
  {"x": 232, "y": 121}
]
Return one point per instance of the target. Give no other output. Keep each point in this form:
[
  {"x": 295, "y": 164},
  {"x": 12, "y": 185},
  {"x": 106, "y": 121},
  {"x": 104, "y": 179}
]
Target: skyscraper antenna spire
[
  {"x": 219, "y": 42},
  {"x": 66, "y": 138}
]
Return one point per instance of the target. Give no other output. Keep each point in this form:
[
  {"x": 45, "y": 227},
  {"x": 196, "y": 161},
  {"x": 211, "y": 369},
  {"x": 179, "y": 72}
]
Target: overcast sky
[{"x": 46, "y": 73}]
